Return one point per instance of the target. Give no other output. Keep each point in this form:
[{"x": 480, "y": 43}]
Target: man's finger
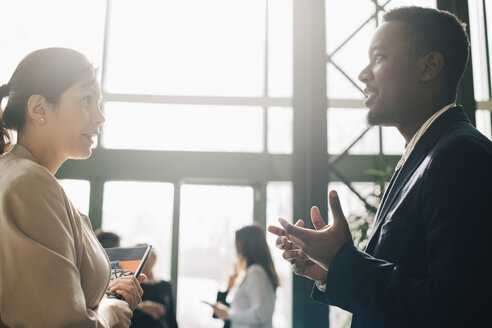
[
  {"x": 283, "y": 243},
  {"x": 276, "y": 230},
  {"x": 302, "y": 265},
  {"x": 336, "y": 208},
  {"x": 299, "y": 223},
  {"x": 316, "y": 218},
  {"x": 290, "y": 255},
  {"x": 297, "y": 234},
  {"x": 297, "y": 242}
]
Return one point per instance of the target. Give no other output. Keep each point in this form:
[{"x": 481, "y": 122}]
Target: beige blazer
[{"x": 53, "y": 271}]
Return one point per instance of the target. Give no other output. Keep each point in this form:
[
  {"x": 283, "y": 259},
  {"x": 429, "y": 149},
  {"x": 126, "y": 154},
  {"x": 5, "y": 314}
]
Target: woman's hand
[
  {"x": 117, "y": 313},
  {"x": 154, "y": 309},
  {"x": 129, "y": 288},
  {"x": 231, "y": 281},
  {"x": 221, "y": 311}
]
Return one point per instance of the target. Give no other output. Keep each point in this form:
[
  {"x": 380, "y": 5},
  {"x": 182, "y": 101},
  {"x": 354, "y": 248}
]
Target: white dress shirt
[{"x": 420, "y": 132}]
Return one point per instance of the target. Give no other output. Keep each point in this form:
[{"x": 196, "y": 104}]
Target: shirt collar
[{"x": 416, "y": 137}]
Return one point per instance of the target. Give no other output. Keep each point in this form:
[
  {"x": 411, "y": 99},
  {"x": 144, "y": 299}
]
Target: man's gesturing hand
[
  {"x": 322, "y": 244},
  {"x": 300, "y": 264}
]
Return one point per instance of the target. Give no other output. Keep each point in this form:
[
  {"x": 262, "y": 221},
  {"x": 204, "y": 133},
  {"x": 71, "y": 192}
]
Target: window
[
  {"x": 38, "y": 25},
  {"x": 210, "y": 216},
  {"x": 483, "y": 118},
  {"x": 176, "y": 50},
  {"x": 141, "y": 212},
  {"x": 78, "y": 192},
  {"x": 279, "y": 204},
  {"x": 347, "y": 124},
  {"x": 280, "y": 120},
  {"x": 183, "y": 127},
  {"x": 480, "y": 25}
]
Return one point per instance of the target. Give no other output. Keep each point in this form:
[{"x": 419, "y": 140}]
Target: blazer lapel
[{"x": 400, "y": 177}]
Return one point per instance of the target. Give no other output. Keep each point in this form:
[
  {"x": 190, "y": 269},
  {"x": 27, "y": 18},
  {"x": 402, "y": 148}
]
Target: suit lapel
[{"x": 400, "y": 177}]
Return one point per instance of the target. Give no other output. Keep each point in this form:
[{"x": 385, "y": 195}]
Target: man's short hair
[{"x": 428, "y": 30}]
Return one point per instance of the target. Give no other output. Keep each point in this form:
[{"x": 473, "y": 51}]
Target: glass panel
[
  {"x": 352, "y": 58},
  {"x": 209, "y": 218},
  {"x": 279, "y": 204},
  {"x": 33, "y": 24},
  {"x": 478, "y": 52},
  {"x": 338, "y": 27},
  {"x": 141, "y": 212},
  {"x": 488, "y": 10},
  {"x": 393, "y": 141},
  {"x": 338, "y": 86},
  {"x": 78, "y": 191},
  {"x": 280, "y": 49},
  {"x": 280, "y": 134},
  {"x": 187, "y": 47},
  {"x": 401, "y": 3},
  {"x": 183, "y": 127},
  {"x": 344, "y": 126},
  {"x": 351, "y": 205},
  {"x": 484, "y": 122}
]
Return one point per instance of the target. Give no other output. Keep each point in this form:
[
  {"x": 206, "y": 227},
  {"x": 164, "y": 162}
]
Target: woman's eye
[{"x": 87, "y": 100}]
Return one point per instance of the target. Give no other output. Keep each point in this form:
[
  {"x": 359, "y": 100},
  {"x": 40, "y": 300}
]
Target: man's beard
[{"x": 382, "y": 118}]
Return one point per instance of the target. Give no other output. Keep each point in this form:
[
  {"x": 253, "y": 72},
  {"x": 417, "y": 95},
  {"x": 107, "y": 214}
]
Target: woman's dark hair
[
  {"x": 252, "y": 246},
  {"x": 46, "y": 72}
]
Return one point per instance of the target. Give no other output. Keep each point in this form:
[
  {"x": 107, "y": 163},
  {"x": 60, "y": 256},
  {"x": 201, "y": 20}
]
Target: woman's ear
[
  {"x": 36, "y": 109},
  {"x": 432, "y": 66}
]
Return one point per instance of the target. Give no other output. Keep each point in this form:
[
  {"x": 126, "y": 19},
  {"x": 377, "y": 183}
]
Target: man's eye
[{"x": 378, "y": 57}]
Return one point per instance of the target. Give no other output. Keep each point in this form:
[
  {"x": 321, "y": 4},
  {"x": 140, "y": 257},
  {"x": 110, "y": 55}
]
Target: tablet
[{"x": 128, "y": 260}]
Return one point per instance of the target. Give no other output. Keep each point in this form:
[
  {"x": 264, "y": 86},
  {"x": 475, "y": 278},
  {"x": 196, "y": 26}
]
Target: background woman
[
  {"x": 53, "y": 271},
  {"x": 252, "y": 299}
]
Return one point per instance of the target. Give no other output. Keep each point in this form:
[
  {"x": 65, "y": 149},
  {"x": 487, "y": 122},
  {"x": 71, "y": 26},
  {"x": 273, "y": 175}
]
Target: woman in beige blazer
[{"x": 53, "y": 271}]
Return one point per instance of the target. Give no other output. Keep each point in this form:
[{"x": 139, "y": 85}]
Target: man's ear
[
  {"x": 432, "y": 66},
  {"x": 36, "y": 109}
]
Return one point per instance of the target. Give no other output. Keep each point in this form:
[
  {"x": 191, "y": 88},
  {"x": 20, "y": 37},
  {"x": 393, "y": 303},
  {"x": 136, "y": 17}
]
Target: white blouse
[{"x": 253, "y": 301}]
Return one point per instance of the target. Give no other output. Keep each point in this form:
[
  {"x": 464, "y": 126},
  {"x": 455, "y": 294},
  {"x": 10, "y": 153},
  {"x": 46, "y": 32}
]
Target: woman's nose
[{"x": 100, "y": 119}]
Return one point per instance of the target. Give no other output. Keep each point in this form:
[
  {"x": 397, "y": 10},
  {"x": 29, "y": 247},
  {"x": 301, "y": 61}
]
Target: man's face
[{"x": 391, "y": 78}]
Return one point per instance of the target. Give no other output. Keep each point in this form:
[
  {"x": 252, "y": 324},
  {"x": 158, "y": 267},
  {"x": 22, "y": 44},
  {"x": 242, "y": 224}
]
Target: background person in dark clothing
[{"x": 157, "y": 309}]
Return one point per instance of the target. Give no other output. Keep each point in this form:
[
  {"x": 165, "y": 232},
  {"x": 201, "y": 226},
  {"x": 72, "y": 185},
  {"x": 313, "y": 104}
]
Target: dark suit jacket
[{"x": 426, "y": 264}]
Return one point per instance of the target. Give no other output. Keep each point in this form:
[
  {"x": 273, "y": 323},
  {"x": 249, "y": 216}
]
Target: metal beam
[{"x": 310, "y": 158}]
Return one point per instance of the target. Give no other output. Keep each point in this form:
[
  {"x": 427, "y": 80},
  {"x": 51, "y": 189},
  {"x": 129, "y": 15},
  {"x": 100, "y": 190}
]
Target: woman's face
[{"x": 74, "y": 122}]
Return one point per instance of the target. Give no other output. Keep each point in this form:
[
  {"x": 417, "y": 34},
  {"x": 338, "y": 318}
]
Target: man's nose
[{"x": 365, "y": 74}]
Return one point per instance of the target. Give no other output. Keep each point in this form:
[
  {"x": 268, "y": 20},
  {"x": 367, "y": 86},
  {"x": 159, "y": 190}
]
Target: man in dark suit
[{"x": 425, "y": 264}]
